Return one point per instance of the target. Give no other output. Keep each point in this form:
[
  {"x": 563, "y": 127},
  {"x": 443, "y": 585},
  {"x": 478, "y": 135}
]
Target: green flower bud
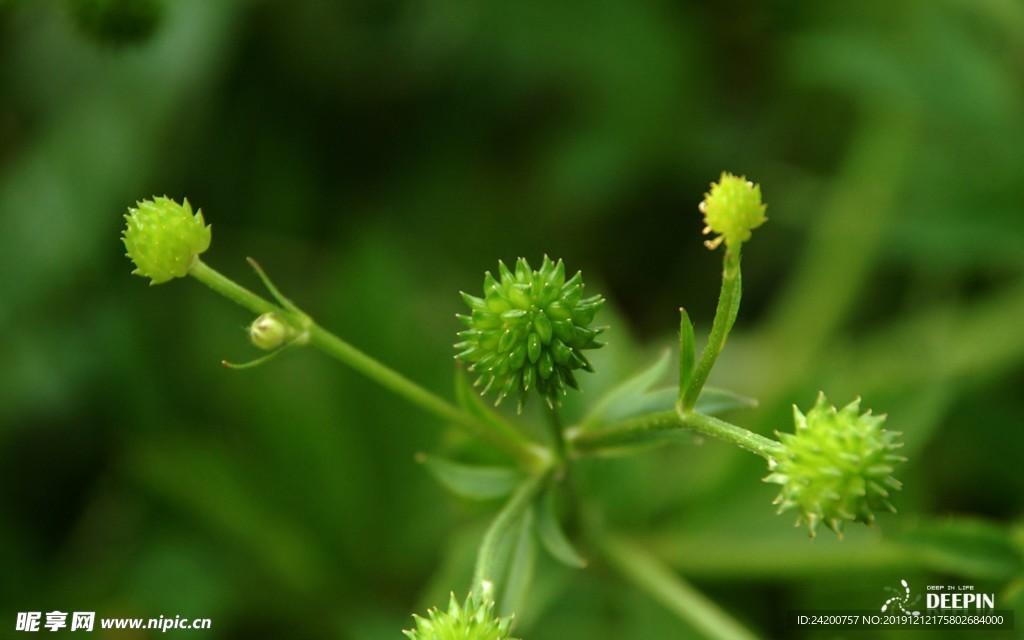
[
  {"x": 472, "y": 621},
  {"x": 529, "y": 331},
  {"x": 837, "y": 466},
  {"x": 163, "y": 238},
  {"x": 732, "y": 209},
  {"x": 269, "y": 331}
]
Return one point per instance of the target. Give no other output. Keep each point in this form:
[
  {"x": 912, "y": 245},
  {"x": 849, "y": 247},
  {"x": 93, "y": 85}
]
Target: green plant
[{"x": 528, "y": 333}]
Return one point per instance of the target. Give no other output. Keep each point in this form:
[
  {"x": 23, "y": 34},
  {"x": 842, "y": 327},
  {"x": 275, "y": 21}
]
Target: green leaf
[
  {"x": 966, "y": 547},
  {"x": 502, "y": 539},
  {"x": 521, "y": 562},
  {"x": 714, "y": 401},
  {"x": 551, "y": 535},
  {"x": 630, "y": 397},
  {"x": 687, "y": 352},
  {"x": 470, "y": 481},
  {"x": 646, "y": 442}
]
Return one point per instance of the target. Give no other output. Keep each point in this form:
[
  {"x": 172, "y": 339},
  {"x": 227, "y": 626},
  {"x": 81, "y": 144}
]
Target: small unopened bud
[{"x": 270, "y": 331}]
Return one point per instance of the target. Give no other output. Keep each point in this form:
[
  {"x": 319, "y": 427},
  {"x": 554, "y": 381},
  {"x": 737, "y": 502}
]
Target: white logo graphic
[{"x": 901, "y": 601}]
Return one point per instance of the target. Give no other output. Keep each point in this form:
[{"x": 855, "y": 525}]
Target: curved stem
[
  {"x": 725, "y": 315},
  {"x": 532, "y": 455},
  {"x": 644, "y": 427},
  {"x": 648, "y": 573}
]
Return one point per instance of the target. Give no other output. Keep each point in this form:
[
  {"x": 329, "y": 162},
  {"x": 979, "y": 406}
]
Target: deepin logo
[{"x": 901, "y": 603}]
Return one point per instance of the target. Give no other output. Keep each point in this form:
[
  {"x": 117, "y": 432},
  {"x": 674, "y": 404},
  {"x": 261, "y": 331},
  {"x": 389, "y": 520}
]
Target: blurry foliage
[{"x": 377, "y": 157}]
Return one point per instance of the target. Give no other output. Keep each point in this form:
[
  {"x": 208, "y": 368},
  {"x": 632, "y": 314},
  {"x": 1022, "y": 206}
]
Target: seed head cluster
[
  {"x": 836, "y": 467},
  {"x": 529, "y": 331},
  {"x": 471, "y": 621},
  {"x": 163, "y": 238}
]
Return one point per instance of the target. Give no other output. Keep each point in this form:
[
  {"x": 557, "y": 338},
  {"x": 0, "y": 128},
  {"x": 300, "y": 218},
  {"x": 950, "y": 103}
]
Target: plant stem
[
  {"x": 532, "y": 455},
  {"x": 644, "y": 427},
  {"x": 742, "y": 438},
  {"x": 231, "y": 290},
  {"x": 725, "y": 315},
  {"x": 557, "y": 432},
  {"x": 488, "y": 563},
  {"x": 648, "y": 573}
]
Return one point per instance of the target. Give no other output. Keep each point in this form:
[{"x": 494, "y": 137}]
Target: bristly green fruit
[
  {"x": 472, "y": 621},
  {"x": 837, "y": 466},
  {"x": 529, "y": 331},
  {"x": 732, "y": 209},
  {"x": 164, "y": 238}
]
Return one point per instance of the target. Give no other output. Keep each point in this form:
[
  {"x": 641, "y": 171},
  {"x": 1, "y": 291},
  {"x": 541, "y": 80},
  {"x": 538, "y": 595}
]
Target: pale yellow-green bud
[{"x": 269, "y": 331}]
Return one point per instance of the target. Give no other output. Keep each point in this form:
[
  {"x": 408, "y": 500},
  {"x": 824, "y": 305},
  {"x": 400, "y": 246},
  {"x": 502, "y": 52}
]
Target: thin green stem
[
  {"x": 627, "y": 432},
  {"x": 532, "y": 455},
  {"x": 646, "y": 427},
  {"x": 508, "y": 439},
  {"x": 557, "y": 432},
  {"x": 488, "y": 561},
  {"x": 742, "y": 438},
  {"x": 648, "y": 573},
  {"x": 232, "y": 290},
  {"x": 725, "y": 315}
]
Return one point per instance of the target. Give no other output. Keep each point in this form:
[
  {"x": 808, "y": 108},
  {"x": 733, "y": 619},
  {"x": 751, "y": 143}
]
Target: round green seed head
[
  {"x": 164, "y": 238},
  {"x": 837, "y": 467},
  {"x": 732, "y": 209},
  {"x": 474, "y": 620},
  {"x": 529, "y": 331}
]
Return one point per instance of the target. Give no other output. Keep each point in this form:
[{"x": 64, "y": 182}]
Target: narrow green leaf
[
  {"x": 493, "y": 555},
  {"x": 551, "y": 535},
  {"x": 646, "y": 442},
  {"x": 521, "y": 562},
  {"x": 470, "y": 481},
  {"x": 714, "y": 401},
  {"x": 966, "y": 547},
  {"x": 626, "y": 399},
  {"x": 687, "y": 353}
]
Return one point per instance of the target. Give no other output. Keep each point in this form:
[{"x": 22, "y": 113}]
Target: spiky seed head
[
  {"x": 163, "y": 238},
  {"x": 529, "y": 331},
  {"x": 474, "y": 620},
  {"x": 732, "y": 209},
  {"x": 836, "y": 467}
]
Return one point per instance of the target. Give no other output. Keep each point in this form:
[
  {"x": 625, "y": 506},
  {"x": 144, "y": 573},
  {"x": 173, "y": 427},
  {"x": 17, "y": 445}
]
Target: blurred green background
[{"x": 377, "y": 156}]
